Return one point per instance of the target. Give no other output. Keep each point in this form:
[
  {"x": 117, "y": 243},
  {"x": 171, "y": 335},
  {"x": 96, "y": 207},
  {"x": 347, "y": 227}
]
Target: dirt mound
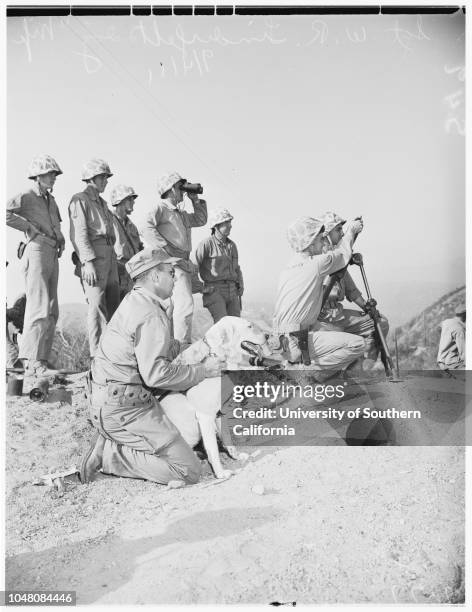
[{"x": 308, "y": 524}]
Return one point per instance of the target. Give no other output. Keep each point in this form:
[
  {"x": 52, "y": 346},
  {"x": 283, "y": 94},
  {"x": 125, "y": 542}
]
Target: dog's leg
[
  {"x": 230, "y": 449},
  {"x": 208, "y": 430}
]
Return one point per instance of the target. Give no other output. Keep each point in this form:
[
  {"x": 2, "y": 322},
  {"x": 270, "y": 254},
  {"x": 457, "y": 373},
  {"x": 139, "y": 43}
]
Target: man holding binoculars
[{"x": 168, "y": 226}]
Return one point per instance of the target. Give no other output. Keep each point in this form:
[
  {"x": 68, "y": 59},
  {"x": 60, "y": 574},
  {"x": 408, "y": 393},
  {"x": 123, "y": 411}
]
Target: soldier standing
[
  {"x": 36, "y": 213},
  {"x": 217, "y": 258},
  {"x": 128, "y": 242},
  {"x": 167, "y": 226},
  {"x": 93, "y": 237}
]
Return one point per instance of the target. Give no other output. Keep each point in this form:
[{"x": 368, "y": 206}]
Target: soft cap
[{"x": 147, "y": 259}]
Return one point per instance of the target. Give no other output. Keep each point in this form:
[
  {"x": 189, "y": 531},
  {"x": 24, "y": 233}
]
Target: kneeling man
[
  {"x": 132, "y": 365},
  {"x": 300, "y": 294}
]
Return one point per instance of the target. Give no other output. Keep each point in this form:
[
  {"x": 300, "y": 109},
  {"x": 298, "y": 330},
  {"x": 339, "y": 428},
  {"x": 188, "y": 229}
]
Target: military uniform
[
  {"x": 134, "y": 357},
  {"x": 451, "y": 352},
  {"x": 168, "y": 227},
  {"x": 334, "y": 317},
  {"x": 37, "y": 215},
  {"x": 219, "y": 270},
  {"x": 300, "y": 294},
  {"x": 127, "y": 244},
  {"x": 93, "y": 236}
]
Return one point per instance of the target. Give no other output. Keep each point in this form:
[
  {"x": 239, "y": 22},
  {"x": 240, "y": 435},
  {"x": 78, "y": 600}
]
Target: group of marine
[{"x": 139, "y": 289}]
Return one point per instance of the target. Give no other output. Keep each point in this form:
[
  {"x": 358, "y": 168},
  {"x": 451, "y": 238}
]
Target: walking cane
[{"x": 374, "y": 315}]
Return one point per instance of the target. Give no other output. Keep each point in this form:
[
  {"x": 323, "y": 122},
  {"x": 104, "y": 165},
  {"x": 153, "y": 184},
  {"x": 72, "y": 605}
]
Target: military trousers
[
  {"x": 102, "y": 299},
  {"x": 41, "y": 270},
  {"x": 452, "y": 363},
  {"x": 222, "y": 300},
  {"x": 141, "y": 441},
  {"x": 328, "y": 350},
  {"x": 182, "y": 299},
  {"x": 124, "y": 280},
  {"x": 356, "y": 322}
]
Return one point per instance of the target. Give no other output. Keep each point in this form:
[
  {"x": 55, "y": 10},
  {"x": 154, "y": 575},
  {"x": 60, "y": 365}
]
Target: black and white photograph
[{"x": 235, "y": 286}]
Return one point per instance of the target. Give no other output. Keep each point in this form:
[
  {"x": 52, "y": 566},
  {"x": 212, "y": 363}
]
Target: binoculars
[{"x": 192, "y": 188}]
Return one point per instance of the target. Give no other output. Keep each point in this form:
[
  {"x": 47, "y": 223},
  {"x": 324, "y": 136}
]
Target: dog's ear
[{"x": 217, "y": 336}]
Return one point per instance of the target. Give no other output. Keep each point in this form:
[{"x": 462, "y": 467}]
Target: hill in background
[{"x": 418, "y": 339}]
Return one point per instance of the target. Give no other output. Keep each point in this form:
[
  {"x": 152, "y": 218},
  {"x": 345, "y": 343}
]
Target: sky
[{"x": 276, "y": 117}]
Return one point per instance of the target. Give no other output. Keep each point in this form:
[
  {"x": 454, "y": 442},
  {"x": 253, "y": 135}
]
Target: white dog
[{"x": 195, "y": 413}]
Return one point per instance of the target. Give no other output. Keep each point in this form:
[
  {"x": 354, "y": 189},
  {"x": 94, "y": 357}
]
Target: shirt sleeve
[
  {"x": 351, "y": 290},
  {"x": 14, "y": 215},
  {"x": 201, "y": 253},
  {"x": 199, "y": 216},
  {"x": 79, "y": 230},
  {"x": 153, "y": 350},
  {"x": 150, "y": 231},
  {"x": 119, "y": 246},
  {"x": 336, "y": 259},
  {"x": 57, "y": 227},
  {"x": 240, "y": 280}
]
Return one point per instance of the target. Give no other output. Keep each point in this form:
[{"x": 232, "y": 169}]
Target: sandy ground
[{"x": 333, "y": 524}]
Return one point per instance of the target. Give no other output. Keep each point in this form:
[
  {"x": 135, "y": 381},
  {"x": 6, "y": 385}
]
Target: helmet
[
  {"x": 303, "y": 231},
  {"x": 120, "y": 193},
  {"x": 460, "y": 309},
  {"x": 94, "y": 167},
  {"x": 219, "y": 215},
  {"x": 332, "y": 220},
  {"x": 42, "y": 164},
  {"x": 167, "y": 181}
]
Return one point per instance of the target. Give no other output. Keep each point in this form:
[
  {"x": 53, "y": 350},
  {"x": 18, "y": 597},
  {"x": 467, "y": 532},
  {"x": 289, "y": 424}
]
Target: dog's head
[{"x": 230, "y": 333}]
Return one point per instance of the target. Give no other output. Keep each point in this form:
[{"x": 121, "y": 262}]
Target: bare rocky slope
[{"x": 418, "y": 339}]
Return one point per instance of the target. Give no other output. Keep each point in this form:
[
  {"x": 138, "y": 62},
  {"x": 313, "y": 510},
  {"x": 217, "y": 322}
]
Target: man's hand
[
  {"x": 89, "y": 273},
  {"x": 357, "y": 226},
  {"x": 60, "y": 249},
  {"x": 192, "y": 196},
  {"x": 213, "y": 366},
  {"x": 370, "y": 307}
]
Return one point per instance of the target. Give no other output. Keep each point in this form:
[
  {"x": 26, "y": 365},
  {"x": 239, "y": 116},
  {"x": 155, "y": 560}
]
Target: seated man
[
  {"x": 333, "y": 316},
  {"x": 300, "y": 294},
  {"x": 451, "y": 353},
  {"x": 135, "y": 439}
]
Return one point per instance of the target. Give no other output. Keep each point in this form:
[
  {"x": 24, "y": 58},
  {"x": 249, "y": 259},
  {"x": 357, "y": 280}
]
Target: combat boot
[{"x": 91, "y": 463}]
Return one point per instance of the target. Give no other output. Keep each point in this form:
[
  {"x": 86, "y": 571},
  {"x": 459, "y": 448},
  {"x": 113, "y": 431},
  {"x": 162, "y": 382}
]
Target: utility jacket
[
  {"x": 128, "y": 242},
  {"x": 218, "y": 261},
  {"x": 137, "y": 347},
  {"x": 300, "y": 290},
  {"x": 32, "y": 211},
  {"x": 170, "y": 228},
  {"x": 90, "y": 221}
]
